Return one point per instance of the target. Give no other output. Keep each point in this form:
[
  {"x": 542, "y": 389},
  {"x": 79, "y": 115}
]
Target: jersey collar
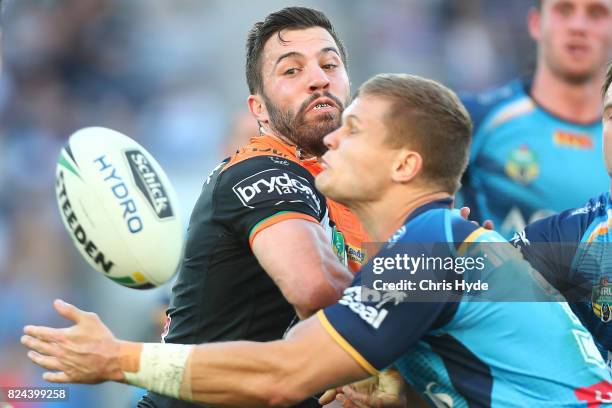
[
  {"x": 312, "y": 164},
  {"x": 433, "y": 205}
]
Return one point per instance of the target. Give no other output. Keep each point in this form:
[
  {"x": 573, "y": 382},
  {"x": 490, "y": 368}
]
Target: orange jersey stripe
[
  {"x": 263, "y": 146},
  {"x": 275, "y": 219}
]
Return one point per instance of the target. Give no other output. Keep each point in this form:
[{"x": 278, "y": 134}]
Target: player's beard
[{"x": 307, "y": 135}]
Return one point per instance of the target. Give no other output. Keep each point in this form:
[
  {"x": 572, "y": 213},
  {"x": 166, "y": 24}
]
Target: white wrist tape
[{"x": 162, "y": 367}]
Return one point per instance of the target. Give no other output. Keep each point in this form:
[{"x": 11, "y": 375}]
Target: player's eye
[
  {"x": 291, "y": 71},
  {"x": 565, "y": 9},
  {"x": 597, "y": 12},
  {"x": 330, "y": 66}
]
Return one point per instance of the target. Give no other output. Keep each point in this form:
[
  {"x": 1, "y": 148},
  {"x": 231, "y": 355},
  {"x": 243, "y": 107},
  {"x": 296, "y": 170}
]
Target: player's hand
[
  {"x": 465, "y": 213},
  {"x": 84, "y": 353},
  {"x": 384, "y": 391}
]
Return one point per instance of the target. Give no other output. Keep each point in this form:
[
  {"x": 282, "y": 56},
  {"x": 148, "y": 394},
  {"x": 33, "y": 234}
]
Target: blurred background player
[
  {"x": 535, "y": 140},
  {"x": 572, "y": 249},
  {"x": 262, "y": 240}
]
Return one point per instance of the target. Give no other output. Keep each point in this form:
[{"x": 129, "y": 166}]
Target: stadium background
[{"x": 169, "y": 73}]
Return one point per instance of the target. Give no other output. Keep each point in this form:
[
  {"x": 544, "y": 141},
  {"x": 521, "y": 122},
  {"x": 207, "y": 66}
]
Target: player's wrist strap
[{"x": 162, "y": 368}]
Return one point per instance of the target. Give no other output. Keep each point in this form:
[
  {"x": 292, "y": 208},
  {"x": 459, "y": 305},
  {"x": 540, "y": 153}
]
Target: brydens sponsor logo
[
  {"x": 149, "y": 184},
  {"x": 276, "y": 184}
]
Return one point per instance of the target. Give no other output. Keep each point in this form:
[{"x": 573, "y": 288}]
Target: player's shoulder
[
  {"x": 572, "y": 225},
  {"x": 263, "y": 179},
  {"x": 262, "y": 151},
  {"x": 437, "y": 222},
  {"x": 500, "y": 104},
  {"x": 591, "y": 220},
  {"x": 595, "y": 207},
  {"x": 264, "y": 158},
  {"x": 264, "y": 165}
]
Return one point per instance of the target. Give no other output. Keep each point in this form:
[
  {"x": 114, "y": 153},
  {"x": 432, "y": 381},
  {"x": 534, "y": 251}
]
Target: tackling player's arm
[
  {"x": 240, "y": 374},
  {"x": 298, "y": 256},
  {"x": 336, "y": 347},
  {"x": 272, "y": 206}
]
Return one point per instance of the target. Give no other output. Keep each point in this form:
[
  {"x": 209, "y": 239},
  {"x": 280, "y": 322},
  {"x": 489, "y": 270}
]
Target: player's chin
[
  {"x": 580, "y": 71},
  {"x": 325, "y": 116},
  {"x": 324, "y": 183}
]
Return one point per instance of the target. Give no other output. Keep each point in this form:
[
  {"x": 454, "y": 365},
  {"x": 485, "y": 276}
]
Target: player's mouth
[
  {"x": 323, "y": 162},
  {"x": 578, "y": 50},
  {"x": 322, "y": 105}
]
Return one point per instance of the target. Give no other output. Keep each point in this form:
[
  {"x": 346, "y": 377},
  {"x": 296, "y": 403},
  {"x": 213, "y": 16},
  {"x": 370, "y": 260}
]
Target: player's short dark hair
[
  {"x": 608, "y": 79},
  {"x": 429, "y": 118},
  {"x": 295, "y": 18}
]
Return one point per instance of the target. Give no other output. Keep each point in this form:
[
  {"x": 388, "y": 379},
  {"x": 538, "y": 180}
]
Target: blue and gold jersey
[
  {"x": 470, "y": 353},
  {"x": 526, "y": 163},
  {"x": 573, "y": 251}
]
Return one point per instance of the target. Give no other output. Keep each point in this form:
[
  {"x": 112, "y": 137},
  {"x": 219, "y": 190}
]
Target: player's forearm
[
  {"x": 335, "y": 278},
  {"x": 316, "y": 283},
  {"x": 326, "y": 280},
  {"x": 237, "y": 374},
  {"x": 302, "y": 264},
  {"x": 247, "y": 374},
  {"x": 324, "y": 291}
]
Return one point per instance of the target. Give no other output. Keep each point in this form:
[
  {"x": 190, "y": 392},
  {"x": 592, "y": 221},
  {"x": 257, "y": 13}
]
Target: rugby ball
[{"x": 119, "y": 208}]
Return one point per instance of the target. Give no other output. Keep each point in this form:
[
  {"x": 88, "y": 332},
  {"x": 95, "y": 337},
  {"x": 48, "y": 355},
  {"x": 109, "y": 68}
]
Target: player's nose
[
  {"x": 317, "y": 79},
  {"x": 579, "y": 21}
]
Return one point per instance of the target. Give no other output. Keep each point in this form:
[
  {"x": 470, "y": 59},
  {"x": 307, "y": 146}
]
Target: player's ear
[
  {"x": 534, "y": 23},
  {"x": 406, "y": 166},
  {"x": 258, "y": 108}
]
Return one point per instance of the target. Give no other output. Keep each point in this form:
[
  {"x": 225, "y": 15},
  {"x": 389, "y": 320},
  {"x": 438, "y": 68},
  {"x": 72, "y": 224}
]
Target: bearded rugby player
[{"x": 264, "y": 247}]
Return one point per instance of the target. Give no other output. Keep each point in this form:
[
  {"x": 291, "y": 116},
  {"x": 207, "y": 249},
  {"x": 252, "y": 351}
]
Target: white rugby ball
[{"x": 119, "y": 207}]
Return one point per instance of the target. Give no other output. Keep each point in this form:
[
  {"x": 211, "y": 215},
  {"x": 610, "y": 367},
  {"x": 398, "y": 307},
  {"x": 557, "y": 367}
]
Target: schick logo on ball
[
  {"x": 121, "y": 193},
  {"x": 149, "y": 184}
]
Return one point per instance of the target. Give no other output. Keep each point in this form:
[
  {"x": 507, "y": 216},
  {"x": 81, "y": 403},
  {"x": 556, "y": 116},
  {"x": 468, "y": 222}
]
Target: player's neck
[
  {"x": 300, "y": 153},
  {"x": 580, "y": 103},
  {"x": 383, "y": 217}
]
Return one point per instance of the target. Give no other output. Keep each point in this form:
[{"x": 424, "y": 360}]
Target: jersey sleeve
[
  {"x": 262, "y": 191},
  {"x": 550, "y": 244},
  {"x": 377, "y": 327}
]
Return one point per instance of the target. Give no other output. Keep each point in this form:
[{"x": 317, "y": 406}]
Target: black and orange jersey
[
  {"x": 345, "y": 231},
  {"x": 222, "y": 293}
]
